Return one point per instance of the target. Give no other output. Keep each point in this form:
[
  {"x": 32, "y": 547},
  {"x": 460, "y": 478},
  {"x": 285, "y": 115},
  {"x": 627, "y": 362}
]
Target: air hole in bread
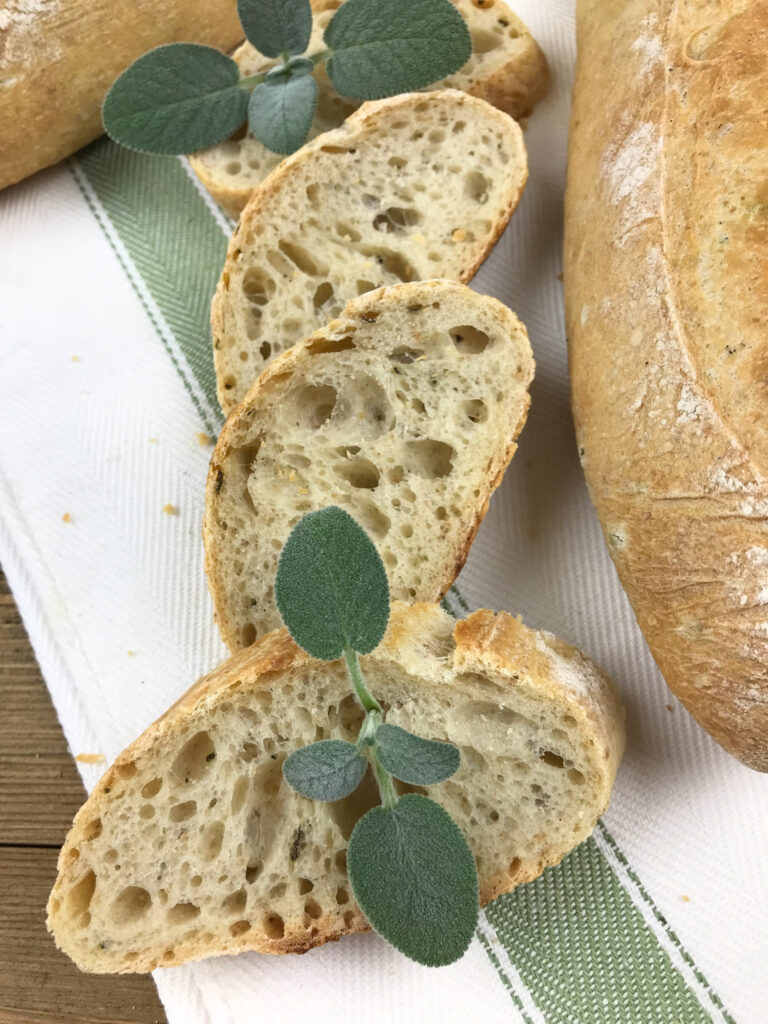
[
  {"x": 303, "y": 259},
  {"x": 314, "y": 405},
  {"x": 239, "y": 928},
  {"x": 401, "y": 788},
  {"x": 92, "y": 830},
  {"x": 258, "y": 286},
  {"x": 274, "y": 926},
  {"x": 181, "y": 913},
  {"x": 313, "y": 909},
  {"x": 469, "y": 340},
  {"x": 476, "y": 187},
  {"x": 183, "y": 811},
  {"x": 359, "y": 473},
  {"x": 253, "y": 870},
  {"x": 429, "y": 459},
  {"x": 347, "y": 812},
  {"x": 405, "y": 355},
  {"x": 305, "y": 886},
  {"x": 248, "y": 631},
  {"x": 79, "y": 897},
  {"x": 395, "y": 218},
  {"x": 323, "y": 294},
  {"x": 151, "y": 788},
  {"x": 550, "y": 758},
  {"x": 130, "y": 905},
  {"x": 126, "y": 771},
  {"x": 395, "y": 474},
  {"x": 392, "y": 262},
  {"x": 234, "y": 904},
  {"x": 233, "y": 167},
  {"x": 239, "y": 793},
  {"x": 418, "y": 406},
  {"x": 211, "y": 840},
  {"x": 342, "y": 896},
  {"x": 313, "y": 195},
  {"x": 476, "y": 410},
  {"x": 484, "y": 41},
  {"x": 372, "y": 519},
  {"x": 147, "y": 811},
  {"x": 362, "y": 287},
  {"x": 346, "y": 231},
  {"x": 194, "y": 758},
  {"x": 398, "y": 162},
  {"x": 576, "y": 776},
  {"x": 321, "y": 345}
]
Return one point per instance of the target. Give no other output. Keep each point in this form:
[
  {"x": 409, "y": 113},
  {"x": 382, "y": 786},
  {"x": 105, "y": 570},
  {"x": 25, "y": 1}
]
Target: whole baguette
[
  {"x": 193, "y": 845},
  {"x": 59, "y": 57},
  {"x": 666, "y": 277}
]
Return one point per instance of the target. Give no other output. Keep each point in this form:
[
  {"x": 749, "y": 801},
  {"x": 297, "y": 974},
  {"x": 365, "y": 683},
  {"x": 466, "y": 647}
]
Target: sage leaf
[
  {"x": 175, "y": 99},
  {"x": 381, "y": 49},
  {"x": 331, "y": 587},
  {"x": 413, "y": 874},
  {"x": 275, "y": 27},
  {"x": 414, "y": 759},
  {"x": 281, "y": 109},
  {"x": 328, "y": 770}
]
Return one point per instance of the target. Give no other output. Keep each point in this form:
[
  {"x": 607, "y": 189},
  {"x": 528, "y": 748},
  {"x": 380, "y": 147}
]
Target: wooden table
[{"x": 40, "y": 791}]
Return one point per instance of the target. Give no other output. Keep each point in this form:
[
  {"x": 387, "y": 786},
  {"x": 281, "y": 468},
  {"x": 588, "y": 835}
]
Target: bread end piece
[{"x": 193, "y": 845}]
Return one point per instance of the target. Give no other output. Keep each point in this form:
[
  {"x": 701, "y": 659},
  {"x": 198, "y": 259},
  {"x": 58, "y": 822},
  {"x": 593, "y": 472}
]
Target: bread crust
[
  {"x": 495, "y": 645},
  {"x": 59, "y": 59},
  {"x": 515, "y": 87},
  {"x": 666, "y": 275}
]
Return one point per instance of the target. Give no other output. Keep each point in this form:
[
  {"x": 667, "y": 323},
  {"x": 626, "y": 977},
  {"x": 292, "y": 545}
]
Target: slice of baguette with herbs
[
  {"x": 506, "y": 68},
  {"x": 404, "y": 412},
  {"x": 415, "y": 187},
  {"x": 194, "y": 845}
]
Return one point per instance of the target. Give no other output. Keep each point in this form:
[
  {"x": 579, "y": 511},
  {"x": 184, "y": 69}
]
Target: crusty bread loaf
[
  {"x": 57, "y": 61},
  {"x": 404, "y": 411},
  {"x": 410, "y": 188},
  {"x": 506, "y": 68},
  {"x": 192, "y": 844},
  {"x": 666, "y": 273}
]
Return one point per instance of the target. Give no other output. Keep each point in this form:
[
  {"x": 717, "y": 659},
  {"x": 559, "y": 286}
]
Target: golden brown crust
[
  {"x": 59, "y": 59},
  {"x": 494, "y": 645},
  {"x": 666, "y": 273}
]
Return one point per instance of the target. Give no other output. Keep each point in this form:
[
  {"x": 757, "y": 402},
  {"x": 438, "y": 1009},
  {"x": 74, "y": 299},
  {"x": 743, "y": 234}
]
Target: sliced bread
[
  {"x": 404, "y": 411},
  {"x": 506, "y": 68},
  {"x": 410, "y": 188},
  {"x": 193, "y": 845}
]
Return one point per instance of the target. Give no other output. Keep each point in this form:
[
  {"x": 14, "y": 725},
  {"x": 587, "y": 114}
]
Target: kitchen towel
[{"x": 108, "y": 409}]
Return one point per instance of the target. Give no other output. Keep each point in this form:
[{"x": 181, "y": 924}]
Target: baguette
[
  {"x": 404, "y": 411},
  {"x": 193, "y": 845},
  {"x": 506, "y": 68},
  {"x": 666, "y": 274},
  {"x": 410, "y": 188},
  {"x": 57, "y": 61}
]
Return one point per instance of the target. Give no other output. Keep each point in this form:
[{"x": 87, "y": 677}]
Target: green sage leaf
[
  {"x": 413, "y": 874},
  {"x": 414, "y": 759},
  {"x": 331, "y": 587},
  {"x": 381, "y": 49},
  {"x": 328, "y": 770},
  {"x": 275, "y": 27},
  {"x": 175, "y": 99},
  {"x": 281, "y": 110}
]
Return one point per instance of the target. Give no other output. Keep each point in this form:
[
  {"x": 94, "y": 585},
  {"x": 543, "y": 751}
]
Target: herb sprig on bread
[
  {"x": 183, "y": 97},
  {"x": 411, "y": 869}
]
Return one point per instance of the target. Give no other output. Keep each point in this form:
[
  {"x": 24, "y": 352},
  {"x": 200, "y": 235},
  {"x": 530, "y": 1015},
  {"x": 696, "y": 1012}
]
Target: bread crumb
[
  {"x": 75, "y": 359},
  {"x": 685, "y": 899},
  {"x": 204, "y": 440},
  {"x": 131, "y": 654},
  {"x": 170, "y": 510},
  {"x": 66, "y": 518},
  {"x": 153, "y": 440},
  {"x": 90, "y": 758},
  {"x": 669, "y": 707}
]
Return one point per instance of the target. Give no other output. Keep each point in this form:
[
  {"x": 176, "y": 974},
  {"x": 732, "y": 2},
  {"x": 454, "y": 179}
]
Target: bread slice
[
  {"x": 193, "y": 845},
  {"x": 404, "y": 411},
  {"x": 506, "y": 68},
  {"x": 415, "y": 187}
]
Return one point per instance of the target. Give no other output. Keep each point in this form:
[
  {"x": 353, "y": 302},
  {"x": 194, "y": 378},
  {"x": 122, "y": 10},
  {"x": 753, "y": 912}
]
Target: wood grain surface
[{"x": 40, "y": 790}]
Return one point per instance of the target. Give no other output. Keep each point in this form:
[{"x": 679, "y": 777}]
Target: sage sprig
[
  {"x": 183, "y": 96},
  {"x": 410, "y": 867}
]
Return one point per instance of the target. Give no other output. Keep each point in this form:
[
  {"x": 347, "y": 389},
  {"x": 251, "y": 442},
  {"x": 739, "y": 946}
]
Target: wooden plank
[{"x": 40, "y": 790}]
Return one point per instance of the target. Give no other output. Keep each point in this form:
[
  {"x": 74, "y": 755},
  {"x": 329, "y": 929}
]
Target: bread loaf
[
  {"x": 57, "y": 61},
  {"x": 506, "y": 68},
  {"x": 193, "y": 844},
  {"x": 404, "y": 411},
  {"x": 410, "y": 188},
  {"x": 666, "y": 274}
]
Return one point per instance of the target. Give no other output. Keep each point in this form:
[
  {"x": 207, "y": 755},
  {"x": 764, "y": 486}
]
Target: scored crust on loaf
[
  {"x": 506, "y": 68},
  {"x": 410, "y": 188},
  {"x": 404, "y": 412},
  {"x": 193, "y": 845}
]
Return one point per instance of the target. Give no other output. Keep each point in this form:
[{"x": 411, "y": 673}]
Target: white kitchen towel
[{"x": 107, "y": 405}]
